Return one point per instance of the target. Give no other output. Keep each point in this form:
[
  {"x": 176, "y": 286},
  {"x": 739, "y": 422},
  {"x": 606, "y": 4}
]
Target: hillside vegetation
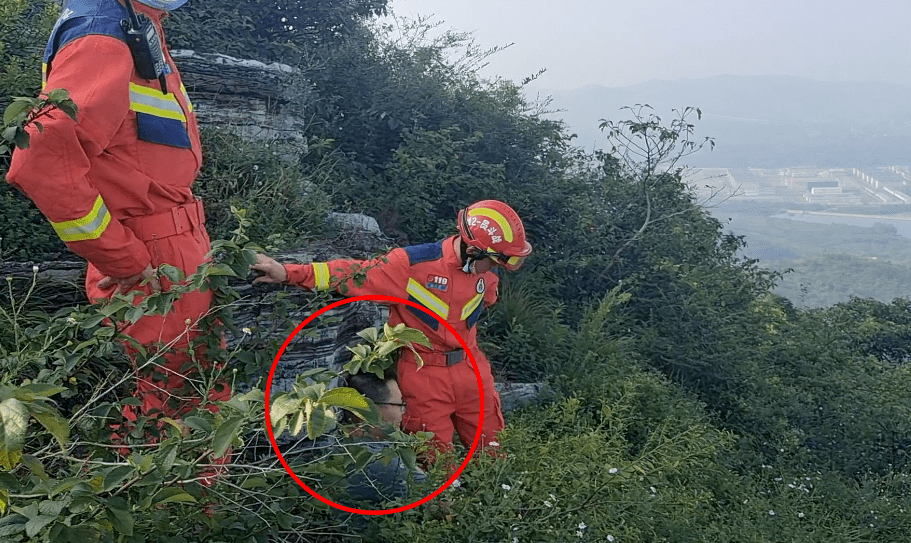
[{"x": 691, "y": 403}]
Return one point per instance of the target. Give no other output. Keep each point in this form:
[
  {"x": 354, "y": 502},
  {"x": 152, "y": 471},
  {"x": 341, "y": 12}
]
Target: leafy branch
[{"x": 24, "y": 112}]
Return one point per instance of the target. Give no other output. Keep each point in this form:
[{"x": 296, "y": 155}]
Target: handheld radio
[{"x": 145, "y": 46}]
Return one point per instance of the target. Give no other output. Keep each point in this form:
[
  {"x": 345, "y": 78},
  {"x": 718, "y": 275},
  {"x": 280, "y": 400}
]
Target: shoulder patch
[
  {"x": 82, "y": 18},
  {"x": 424, "y": 253}
]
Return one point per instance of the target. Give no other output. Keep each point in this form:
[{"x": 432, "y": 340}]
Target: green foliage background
[{"x": 691, "y": 403}]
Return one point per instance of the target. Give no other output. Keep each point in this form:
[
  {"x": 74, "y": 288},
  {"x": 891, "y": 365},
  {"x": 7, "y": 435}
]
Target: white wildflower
[
  {"x": 506, "y": 486},
  {"x": 771, "y": 513},
  {"x": 70, "y": 320},
  {"x": 610, "y": 537},
  {"x": 582, "y": 526},
  {"x": 35, "y": 269},
  {"x": 548, "y": 504},
  {"x": 515, "y": 540},
  {"x": 457, "y": 483},
  {"x": 613, "y": 471},
  {"x": 653, "y": 490},
  {"x": 493, "y": 444},
  {"x": 800, "y": 515},
  {"x": 246, "y": 331}
]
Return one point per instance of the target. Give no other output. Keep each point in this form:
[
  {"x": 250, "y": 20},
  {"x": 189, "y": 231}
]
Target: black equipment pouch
[{"x": 145, "y": 46}]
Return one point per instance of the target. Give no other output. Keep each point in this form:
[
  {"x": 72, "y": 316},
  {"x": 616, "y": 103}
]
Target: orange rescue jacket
[{"x": 429, "y": 274}]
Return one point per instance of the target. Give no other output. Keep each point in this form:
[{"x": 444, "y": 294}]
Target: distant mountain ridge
[{"x": 760, "y": 121}]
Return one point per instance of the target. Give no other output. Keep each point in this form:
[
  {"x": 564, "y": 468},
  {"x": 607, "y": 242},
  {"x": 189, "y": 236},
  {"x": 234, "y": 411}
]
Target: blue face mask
[{"x": 164, "y": 5}]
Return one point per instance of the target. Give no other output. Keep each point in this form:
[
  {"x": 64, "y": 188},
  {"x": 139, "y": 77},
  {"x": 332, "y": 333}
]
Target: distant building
[
  {"x": 825, "y": 190},
  {"x": 821, "y": 184}
]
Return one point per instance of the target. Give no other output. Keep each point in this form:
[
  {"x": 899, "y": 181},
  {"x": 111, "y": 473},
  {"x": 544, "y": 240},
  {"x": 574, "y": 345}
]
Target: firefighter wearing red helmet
[
  {"x": 116, "y": 185},
  {"x": 455, "y": 278}
]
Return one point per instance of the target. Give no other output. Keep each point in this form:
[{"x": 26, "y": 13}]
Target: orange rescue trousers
[{"x": 170, "y": 384}]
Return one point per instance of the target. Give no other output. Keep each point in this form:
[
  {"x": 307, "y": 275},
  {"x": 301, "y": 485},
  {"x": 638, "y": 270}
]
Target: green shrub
[{"x": 282, "y": 203}]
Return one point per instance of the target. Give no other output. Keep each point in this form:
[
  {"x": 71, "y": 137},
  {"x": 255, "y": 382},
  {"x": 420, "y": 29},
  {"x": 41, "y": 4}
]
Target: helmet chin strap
[{"x": 470, "y": 258}]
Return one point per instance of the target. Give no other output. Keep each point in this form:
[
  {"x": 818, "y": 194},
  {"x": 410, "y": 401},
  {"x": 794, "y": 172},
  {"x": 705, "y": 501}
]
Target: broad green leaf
[
  {"x": 310, "y": 373},
  {"x": 115, "y": 476},
  {"x": 70, "y": 108},
  {"x": 13, "y": 426},
  {"x": 409, "y": 458},
  {"x": 12, "y": 525},
  {"x": 118, "y": 512},
  {"x": 224, "y": 436},
  {"x": 55, "y": 424},
  {"x": 52, "y": 507},
  {"x": 282, "y": 405},
  {"x": 142, "y": 462},
  {"x": 34, "y": 525},
  {"x": 221, "y": 269},
  {"x": 14, "y": 110},
  {"x": 278, "y": 428},
  {"x": 35, "y": 465},
  {"x": 413, "y": 336},
  {"x": 297, "y": 423},
  {"x": 253, "y": 482},
  {"x": 38, "y": 391},
  {"x": 370, "y": 334},
  {"x": 134, "y": 314},
  {"x": 386, "y": 348},
  {"x": 344, "y": 397},
  {"x": 172, "y": 495},
  {"x": 9, "y": 133},
  {"x": 198, "y": 423},
  {"x": 166, "y": 455},
  {"x": 64, "y": 486},
  {"x": 318, "y": 422},
  {"x": 175, "y": 275},
  {"x": 57, "y": 95}
]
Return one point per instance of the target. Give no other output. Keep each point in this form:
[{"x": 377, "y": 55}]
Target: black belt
[
  {"x": 442, "y": 359},
  {"x": 454, "y": 357}
]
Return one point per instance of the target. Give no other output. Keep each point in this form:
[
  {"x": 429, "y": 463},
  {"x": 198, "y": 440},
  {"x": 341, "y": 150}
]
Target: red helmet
[{"x": 495, "y": 229}]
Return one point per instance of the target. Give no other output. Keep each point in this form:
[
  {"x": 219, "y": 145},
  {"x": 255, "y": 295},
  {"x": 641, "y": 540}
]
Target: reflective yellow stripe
[
  {"x": 43, "y": 75},
  {"x": 512, "y": 260},
  {"x": 472, "y": 305},
  {"x": 187, "y": 96},
  {"x": 321, "y": 276},
  {"x": 497, "y": 217},
  {"x": 427, "y": 298},
  {"x": 91, "y": 226},
  {"x": 154, "y": 102}
]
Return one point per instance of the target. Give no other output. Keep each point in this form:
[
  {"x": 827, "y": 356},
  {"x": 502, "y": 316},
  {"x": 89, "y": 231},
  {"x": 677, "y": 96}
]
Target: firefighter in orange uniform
[
  {"x": 455, "y": 279},
  {"x": 116, "y": 184}
]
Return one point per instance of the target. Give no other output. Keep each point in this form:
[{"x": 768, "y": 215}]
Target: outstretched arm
[{"x": 274, "y": 272}]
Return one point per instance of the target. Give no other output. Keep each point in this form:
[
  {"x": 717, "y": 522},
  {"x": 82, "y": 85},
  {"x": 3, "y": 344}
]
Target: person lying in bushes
[{"x": 382, "y": 478}]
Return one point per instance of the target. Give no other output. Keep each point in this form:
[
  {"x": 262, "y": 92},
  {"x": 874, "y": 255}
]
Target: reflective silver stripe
[
  {"x": 427, "y": 298},
  {"x": 153, "y": 102},
  {"x": 91, "y": 226}
]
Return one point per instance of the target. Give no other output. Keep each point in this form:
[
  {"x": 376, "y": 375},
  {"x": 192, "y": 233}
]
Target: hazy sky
[{"x": 623, "y": 42}]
